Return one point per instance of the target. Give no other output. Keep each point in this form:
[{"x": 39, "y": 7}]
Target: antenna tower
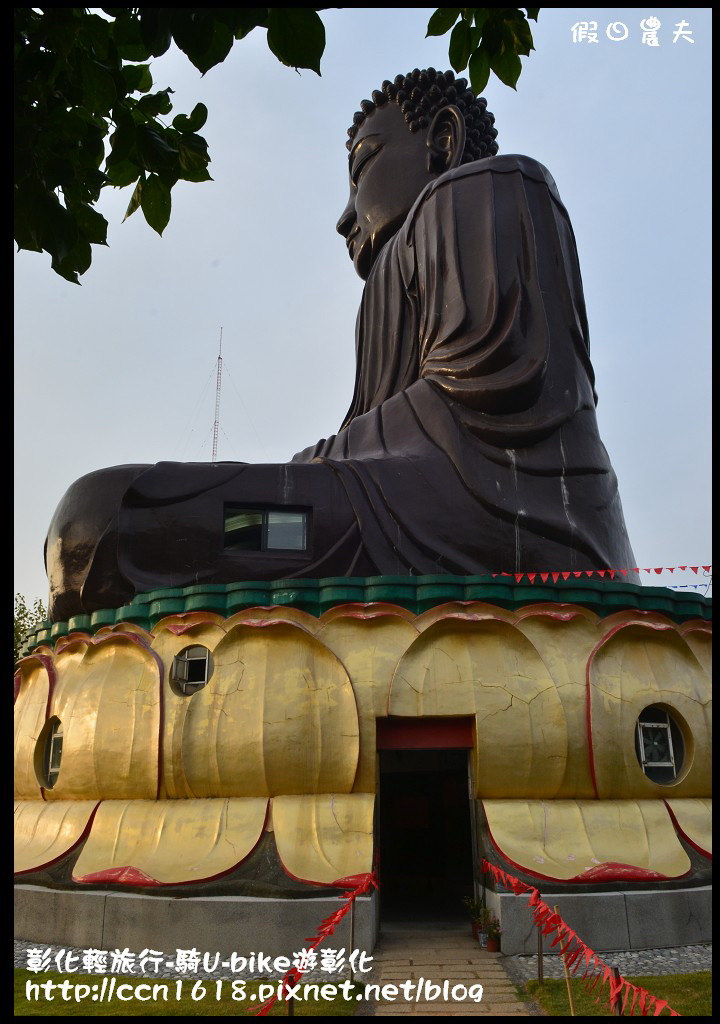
[{"x": 218, "y": 387}]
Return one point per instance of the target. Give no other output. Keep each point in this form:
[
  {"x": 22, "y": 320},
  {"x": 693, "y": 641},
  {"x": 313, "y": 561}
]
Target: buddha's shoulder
[{"x": 505, "y": 163}]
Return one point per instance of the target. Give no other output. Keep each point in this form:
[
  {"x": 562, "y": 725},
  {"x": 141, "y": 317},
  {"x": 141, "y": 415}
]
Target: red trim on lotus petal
[
  {"x": 609, "y": 871},
  {"x": 613, "y": 871},
  {"x": 681, "y": 831},
  {"x": 696, "y": 626},
  {"x": 264, "y": 623},
  {"x": 353, "y": 881},
  {"x": 83, "y": 835},
  {"x": 367, "y": 610},
  {"x": 552, "y": 613},
  {"x": 304, "y": 881},
  {"x": 129, "y": 875},
  {"x": 180, "y": 630},
  {"x": 47, "y": 663}
]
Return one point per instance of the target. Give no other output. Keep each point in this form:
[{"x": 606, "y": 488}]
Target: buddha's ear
[{"x": 446, "y": 139}]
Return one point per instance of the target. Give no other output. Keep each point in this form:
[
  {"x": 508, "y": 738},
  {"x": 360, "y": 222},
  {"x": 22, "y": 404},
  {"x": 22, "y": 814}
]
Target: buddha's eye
[{"x": 361, "y": 163}]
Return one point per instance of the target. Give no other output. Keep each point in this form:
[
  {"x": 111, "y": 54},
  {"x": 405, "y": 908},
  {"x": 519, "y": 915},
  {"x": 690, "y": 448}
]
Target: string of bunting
[
  {"x": 363, "y": 883},
  {"x": 565, "y": 574},
  {"x": 577, "y": 954}
]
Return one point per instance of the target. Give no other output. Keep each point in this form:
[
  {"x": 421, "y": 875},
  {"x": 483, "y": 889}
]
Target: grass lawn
[
  {"x": 689, "y": 994},
  {"x": 206, "y": 1006}
]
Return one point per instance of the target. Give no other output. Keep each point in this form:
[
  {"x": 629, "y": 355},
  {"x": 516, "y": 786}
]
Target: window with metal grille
[
  {"x": 659, "y": 744},
  {"x": 191, "y": 670},
  {"x": 53, "y": 753}
]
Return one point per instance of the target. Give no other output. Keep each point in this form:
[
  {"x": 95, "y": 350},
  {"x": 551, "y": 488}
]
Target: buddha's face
[{"x": 388, "y": 168}]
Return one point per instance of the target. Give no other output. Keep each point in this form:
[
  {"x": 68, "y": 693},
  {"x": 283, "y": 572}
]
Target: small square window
[
  {"x": 252, "y": 529},
  {"x": 286, "y": 531}
]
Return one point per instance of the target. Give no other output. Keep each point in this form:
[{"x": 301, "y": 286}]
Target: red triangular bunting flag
[
  {"x": 682, "y": 567},
  {"x": 658, "y": 571},
  {"x": 625, "y": 572},
  {"x": 531, "y": 576},
  {"x": 695, "y": 568},
  {"x": 544, "y": 576},
  {"x": 576, "y": 574},
  {"x": 669, "y": 569},
  {"x": 589, "y": 572},
  {"x": 707, "y": 568},
  {"x": 555, "y": 576},
  {"x": 519, "y": 576},
  {"x": 601, "y": 572},
  {"x": 635, "y": 568},
  {"x": 565, "y": 575}
]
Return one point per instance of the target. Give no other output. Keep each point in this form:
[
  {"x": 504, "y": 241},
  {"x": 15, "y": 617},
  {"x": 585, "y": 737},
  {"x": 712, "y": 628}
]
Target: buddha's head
[{"x": 411, "y": 131}]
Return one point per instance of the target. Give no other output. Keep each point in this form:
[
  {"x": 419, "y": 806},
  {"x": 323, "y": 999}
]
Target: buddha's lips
[{"x": 351, "y": 239}]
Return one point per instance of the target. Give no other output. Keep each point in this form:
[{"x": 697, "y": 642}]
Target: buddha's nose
[{"x": 347, "y": 219}]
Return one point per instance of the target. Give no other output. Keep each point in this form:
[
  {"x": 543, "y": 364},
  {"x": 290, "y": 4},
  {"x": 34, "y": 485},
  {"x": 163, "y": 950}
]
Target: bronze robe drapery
[{"x": 471, "y": 444}]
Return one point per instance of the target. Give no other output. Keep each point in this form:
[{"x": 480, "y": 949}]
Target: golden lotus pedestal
[{"x": 211, "y": 765}]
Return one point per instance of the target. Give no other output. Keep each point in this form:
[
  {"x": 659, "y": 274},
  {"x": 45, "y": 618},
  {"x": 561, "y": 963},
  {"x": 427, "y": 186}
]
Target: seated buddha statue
[{"x": 471, "y": 444}]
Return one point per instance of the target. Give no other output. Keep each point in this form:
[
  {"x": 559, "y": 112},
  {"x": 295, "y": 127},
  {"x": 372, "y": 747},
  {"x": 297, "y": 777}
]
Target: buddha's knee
[{"x": 81, "y": 543}]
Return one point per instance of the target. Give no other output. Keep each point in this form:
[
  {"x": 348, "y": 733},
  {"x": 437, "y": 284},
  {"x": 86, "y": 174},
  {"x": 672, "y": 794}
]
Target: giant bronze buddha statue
[{"x": 471, "y": 444}]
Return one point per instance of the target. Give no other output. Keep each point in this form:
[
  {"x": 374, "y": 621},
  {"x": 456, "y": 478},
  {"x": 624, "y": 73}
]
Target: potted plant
[
  {"x": 494, "y": 931},
  {"x": 477, "y": 913}
]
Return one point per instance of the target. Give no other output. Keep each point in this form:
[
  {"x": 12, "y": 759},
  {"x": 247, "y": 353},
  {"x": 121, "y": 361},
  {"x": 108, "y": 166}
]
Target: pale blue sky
[{"x": 122, "y": 369}]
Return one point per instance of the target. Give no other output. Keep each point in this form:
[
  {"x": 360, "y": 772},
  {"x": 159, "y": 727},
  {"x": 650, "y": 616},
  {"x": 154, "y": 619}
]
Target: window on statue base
[
  {"x": 257, "y": 529},
  {"x": 191, "y": 670},
  {"x": 53, "y": 753},
  {"x": 659, "y": 745}
]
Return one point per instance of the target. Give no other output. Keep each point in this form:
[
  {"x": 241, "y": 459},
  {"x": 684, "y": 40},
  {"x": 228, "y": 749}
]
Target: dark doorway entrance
[{"x": 426, "y": 861}]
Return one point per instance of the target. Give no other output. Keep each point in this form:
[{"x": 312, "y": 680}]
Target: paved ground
[{"x": 438, "y": 956}]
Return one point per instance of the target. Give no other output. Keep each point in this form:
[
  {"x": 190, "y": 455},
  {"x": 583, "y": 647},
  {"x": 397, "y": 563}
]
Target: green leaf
[
  {"x": 517, "y": 35},
  {"x": 156, "y": 103},
  {"x": 460, "y": 46},
  {"x": 532, "y": 12},
  {"x": 128, "y": 37},
  {"x": 442, "y": 21},
  {"x": 507, "y": 67},
  {"x": 296, "y": 36},
  {"x": 479, "y": 67},
  {"x": 155, "y": 29},
  {"x": 481, "y": 16},
  {"x": 123, "y": 173},
  {"x": 156, "y": 152},
  {"x": 193, "y": 158},
  {"x": 57, "y": 228},
  {"x": 156, "y": 202},
  {"x": 137, "y": 77},
  {"x": 249, "y": 18},
  {"x": 205, "y": 39},
  {"x": 123, "y": 139},
  {"x": 135, "y": 199},
  {"x": 91, "y": 224},
  {"x": 186, "y": 125},
  {"x": 76, "y": 262},
  {"x": 98, "y": 88}
]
